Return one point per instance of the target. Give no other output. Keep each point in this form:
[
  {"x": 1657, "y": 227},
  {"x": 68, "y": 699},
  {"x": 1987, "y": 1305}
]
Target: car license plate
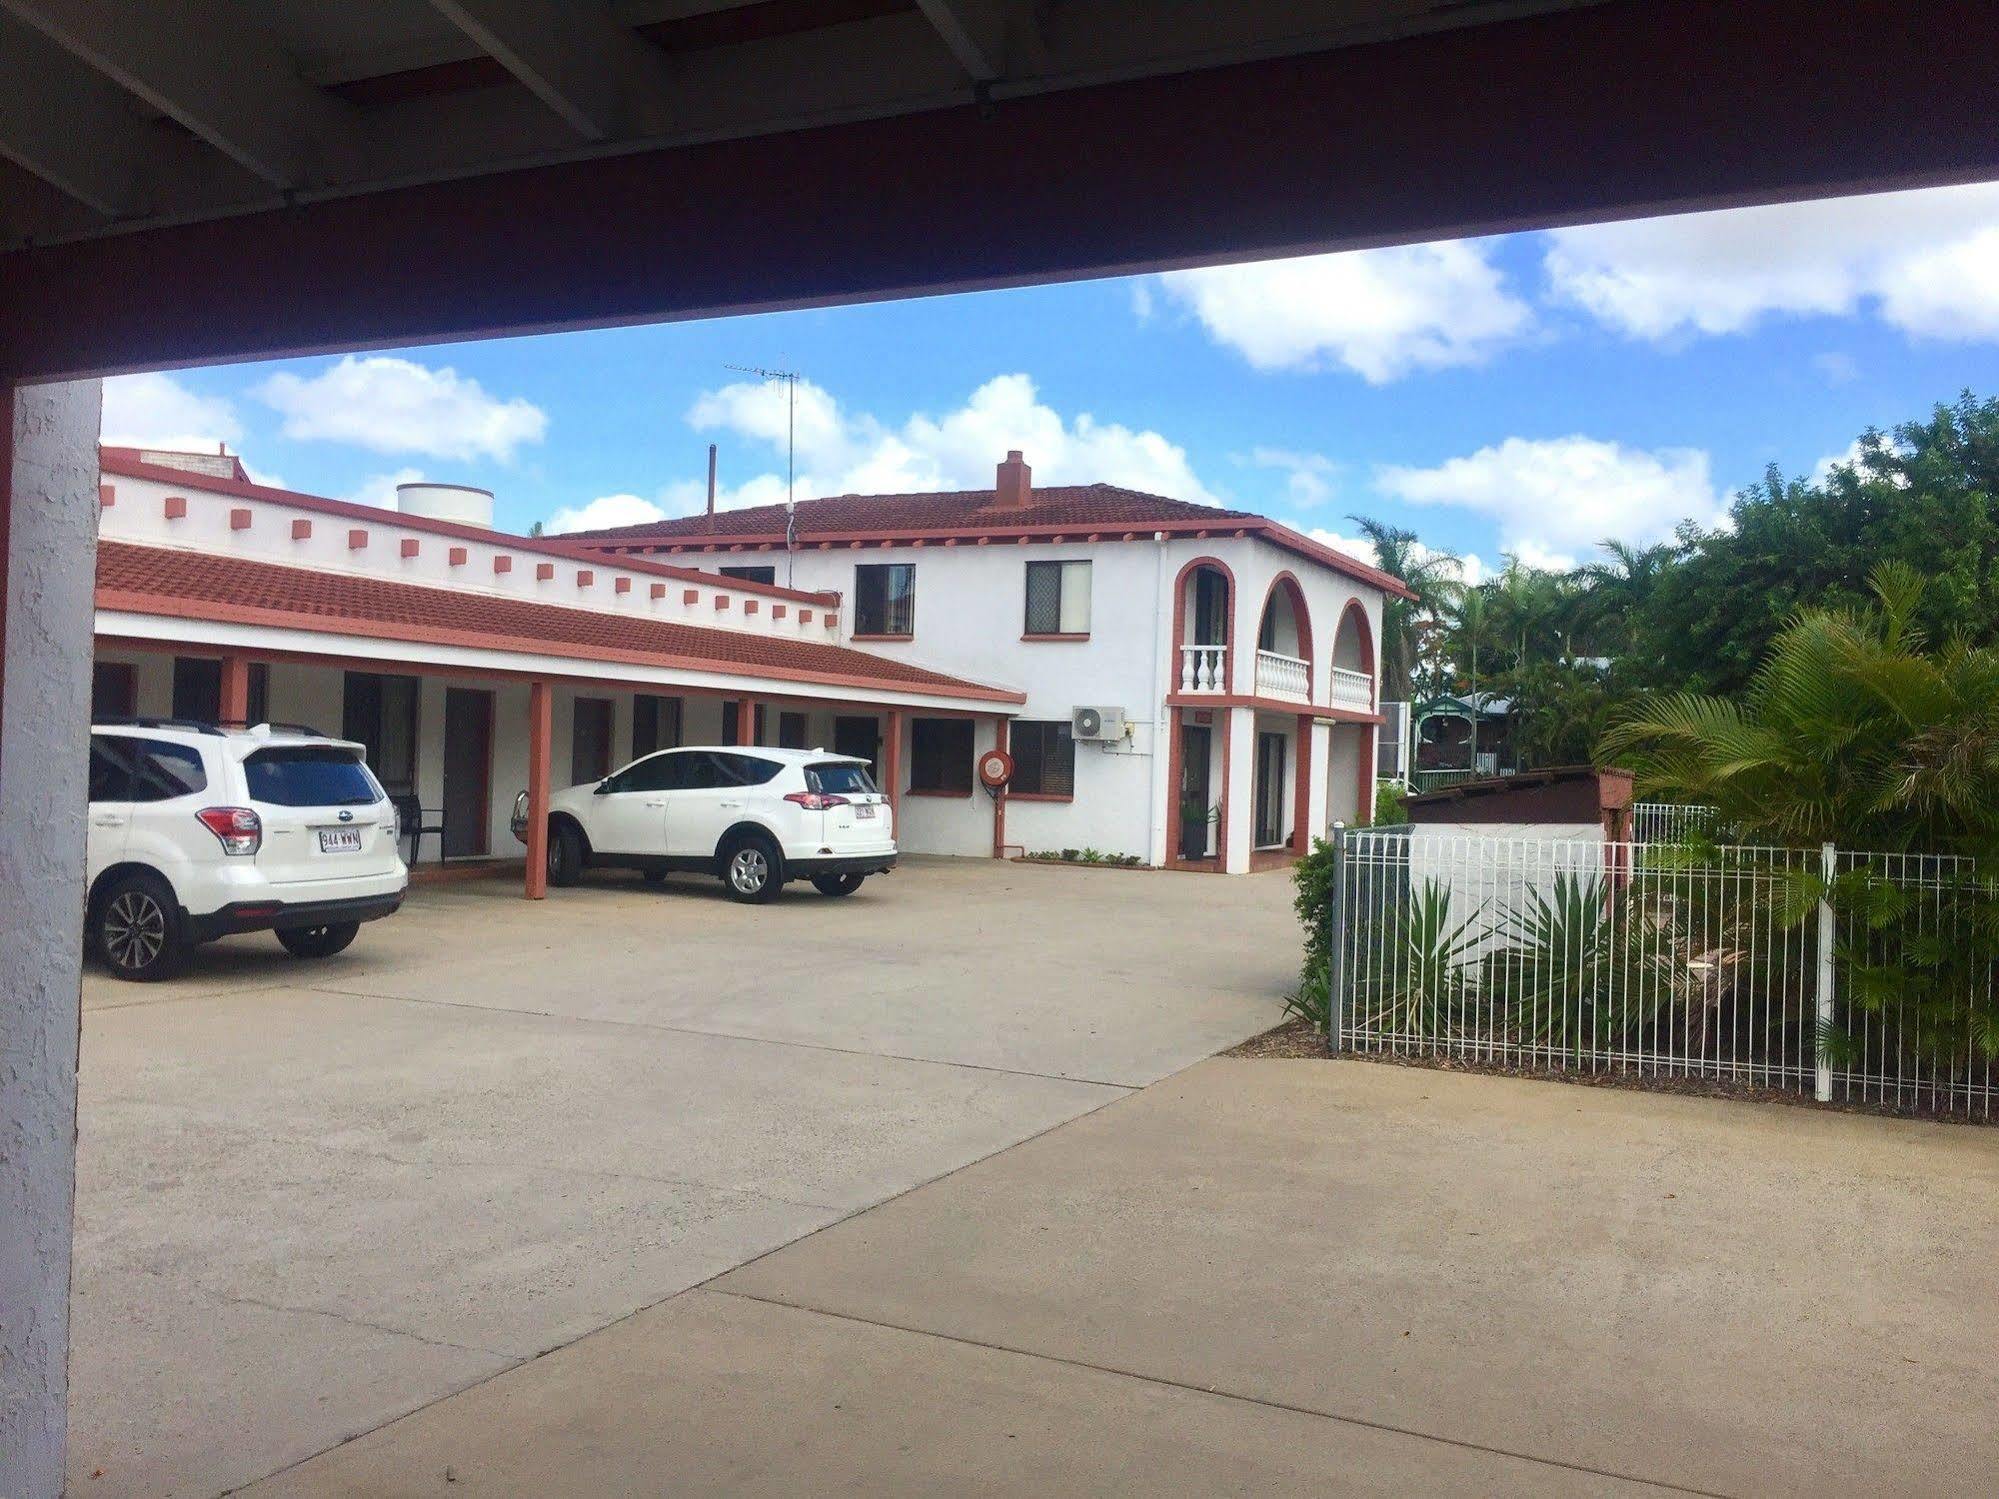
[
  {"x": 340, "y": 840},
  {"x": 864, "y": 811}
]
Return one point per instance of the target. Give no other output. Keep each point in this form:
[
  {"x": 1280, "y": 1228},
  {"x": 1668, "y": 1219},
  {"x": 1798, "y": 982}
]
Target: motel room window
[
  {"x": 751, "y": 574},
  {"x": 655, "y": 723},
  {"x": 791, "y": 731},
  {"x": 1058, "y": 598},
  {"x": 590, "y": 740},
  {"x": 885, "y": 598},
  {"x": 114, "y": 691},
  {"x": 1044, "y": 759},
  {"x": 940, "y": 755},
  {"x": 197, "y": 689},
  {"x": 379, "y": 712}
]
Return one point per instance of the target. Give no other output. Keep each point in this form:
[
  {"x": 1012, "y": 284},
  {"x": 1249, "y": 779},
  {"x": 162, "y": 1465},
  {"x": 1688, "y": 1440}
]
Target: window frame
[
  {"x": 1057, "y": 732},
  {"x": 365, "y": 693},
  {"x": 1061, "y": 566},
  {"x": 668, "y": 714},
  {"x": 942, "y": 756},
  {"x": 750, "y": 574},
  {"x": 885, "y": 572}
]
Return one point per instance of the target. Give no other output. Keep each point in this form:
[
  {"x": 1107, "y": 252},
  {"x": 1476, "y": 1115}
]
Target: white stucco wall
[{"x": 43, "y": 772}]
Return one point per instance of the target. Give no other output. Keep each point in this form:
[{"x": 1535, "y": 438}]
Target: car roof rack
[
  {"x": 154, "y": 721},
  {"x": 276, "y": 726}
]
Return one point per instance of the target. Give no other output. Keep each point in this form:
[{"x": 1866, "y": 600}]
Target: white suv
[
  {"x": 754, "y": 816},
  {"x": 197, "y": 832}
]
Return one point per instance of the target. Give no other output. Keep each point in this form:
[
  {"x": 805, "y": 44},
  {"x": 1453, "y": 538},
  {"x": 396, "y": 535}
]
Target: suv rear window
[
  {"x": 839, "y": 780},
  {"x": 311, "y": 775}
]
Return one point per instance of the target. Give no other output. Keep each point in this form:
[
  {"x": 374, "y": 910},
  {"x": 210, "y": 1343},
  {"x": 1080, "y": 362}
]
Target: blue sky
[{"x": 1530, "y": 393}]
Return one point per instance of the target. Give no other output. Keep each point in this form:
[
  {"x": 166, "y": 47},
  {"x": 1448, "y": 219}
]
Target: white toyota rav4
[
  {"x": 196, "y": 832},
  {"x": 754, "y": 816}
]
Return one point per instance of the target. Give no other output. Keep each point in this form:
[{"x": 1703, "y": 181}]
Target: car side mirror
[{"x": 603, "y": 787}]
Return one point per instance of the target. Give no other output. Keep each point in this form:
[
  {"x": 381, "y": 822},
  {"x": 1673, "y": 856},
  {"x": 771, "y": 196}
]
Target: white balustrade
[
  {"x": 1353, "y": 689},
  {"x": 1203, "y": 668},
  {"x": 1283, "y": 676}
]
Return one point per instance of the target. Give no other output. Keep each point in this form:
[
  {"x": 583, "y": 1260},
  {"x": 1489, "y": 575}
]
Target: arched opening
[
  {"x": 1284, "y": 643},
  {"x": 1353, "y": 661},
  {"x": 1203, "y": 606}
]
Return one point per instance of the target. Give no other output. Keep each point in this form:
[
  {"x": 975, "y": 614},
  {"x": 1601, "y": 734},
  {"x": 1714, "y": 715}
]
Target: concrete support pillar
[
  {"x": 1317, "y": 749},
  {"x": 48, "y": 460},
  {"x": 1370, "y": 749},
  {"x": 235, "y": 689},
  {"x": 892, "y": 767},
  {"x": 541, "y": 750},
  {"x": 1238, "y": 829}
]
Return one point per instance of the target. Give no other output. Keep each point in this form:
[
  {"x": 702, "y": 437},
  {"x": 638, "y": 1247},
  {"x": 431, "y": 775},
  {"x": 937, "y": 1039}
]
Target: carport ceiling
[{"x": 115, "y": 115}]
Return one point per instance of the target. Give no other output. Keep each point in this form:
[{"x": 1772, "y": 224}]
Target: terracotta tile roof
[
  {"x": 1073, "y": 510},
  {"x": 205, "y": 585},
  {"x": 1050, "y": 505}
]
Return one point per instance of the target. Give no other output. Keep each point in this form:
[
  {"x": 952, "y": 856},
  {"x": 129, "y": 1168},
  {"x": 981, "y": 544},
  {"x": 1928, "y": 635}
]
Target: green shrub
[
  {"x": 1312, "y": 878},
  {"x": 1391, "y": 804}
]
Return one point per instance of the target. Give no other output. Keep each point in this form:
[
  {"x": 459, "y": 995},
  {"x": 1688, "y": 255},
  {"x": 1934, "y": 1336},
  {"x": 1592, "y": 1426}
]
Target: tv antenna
[{"x": 790, "y": 379}]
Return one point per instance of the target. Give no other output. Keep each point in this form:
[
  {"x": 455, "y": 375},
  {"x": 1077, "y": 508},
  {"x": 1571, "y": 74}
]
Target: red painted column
[
  {"x": 746, "y": 721},
  {"x": 999, "y": 799},
  {"x": 1301, "y": 790},
  {"x": 540, "y": 752},
  {"x": 892, "y": 768},
  {"x": 235, "y": 689}
]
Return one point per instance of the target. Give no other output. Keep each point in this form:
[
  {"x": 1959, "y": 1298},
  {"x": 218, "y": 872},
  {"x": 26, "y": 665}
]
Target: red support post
[
  {"x": 540, "y": 720},
  {"x": 892, "y": 768},
  {"x": 746, "y": 721},
  {"x": 236, "y": 689},
  {"x": 1301, "y": 789},
  {"x": 999, "y": 797}
]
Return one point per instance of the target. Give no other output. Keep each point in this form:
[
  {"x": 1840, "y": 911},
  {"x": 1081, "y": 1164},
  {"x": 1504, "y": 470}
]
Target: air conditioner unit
[{"x": 1096, "y": 723}]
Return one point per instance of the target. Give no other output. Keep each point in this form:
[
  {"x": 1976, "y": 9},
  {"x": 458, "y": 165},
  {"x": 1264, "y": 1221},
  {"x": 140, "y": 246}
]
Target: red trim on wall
[
  {"x": 656, "y": 592},
  {"x": 543, "y": 571},
  {"x": 691, "y": 596},
  {"x": 721, "y": 601},
  {"x": 410, "y": 546},
  {"x": 239, "y": 520},
  {"x": 175, "y": 507},
  {"x": 1358, "y": 614},
  {"x": 746, "y": 721},
  {"x": 503, "y": 564},
  {"x": 301, "y": 530},
  {"x": 107, "y": 495},
  {"x": 749, "y": 606},
  {"x": 457, "y": 556},
  {"x": 584, "y": 577},
  {"x": 356, "y": 539},
  {"x": 892, "y": 768},
  {"x": 621, "y": 585},
  {"x": 805, "y": 616},
  {"x": 777, "y": 611},
  {"x": 234, "y": 706}
]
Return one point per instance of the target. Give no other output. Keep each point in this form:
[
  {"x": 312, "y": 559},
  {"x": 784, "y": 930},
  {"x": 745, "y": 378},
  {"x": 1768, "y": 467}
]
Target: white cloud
[
  {"x": 157, "y": 411},
  {"x": 848, "y": 452},
  {"x": 1380, "y": 313},
  {"x": 1927, "y": 260},
  {"x": 1307, "y": 476},
  {"x": 606, "y": 510},
  {"x": 394, "y": 405},
  {"x": 1555, "y": 498},
  {"x": 380, "y": 489}
]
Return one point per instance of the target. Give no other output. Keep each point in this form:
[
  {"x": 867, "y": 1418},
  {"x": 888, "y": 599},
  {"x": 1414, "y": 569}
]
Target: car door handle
[
  {"x": 655, "y": 804},
  {"x": 106, "y": 820},
  {"x": 730, "y": 805}
]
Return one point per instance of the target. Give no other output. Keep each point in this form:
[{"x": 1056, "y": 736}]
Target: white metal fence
[
  {"x": 1838, "y": 975},
  {"x": 1670, "y": 822}
]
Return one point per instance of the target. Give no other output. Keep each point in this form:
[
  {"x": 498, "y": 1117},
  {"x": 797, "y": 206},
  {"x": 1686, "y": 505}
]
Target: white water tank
[{"x": 454, "y": 502}]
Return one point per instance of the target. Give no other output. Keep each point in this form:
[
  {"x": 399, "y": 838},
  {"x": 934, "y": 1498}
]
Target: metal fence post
[
  {"x": 1829, "y": 866},
  {"x": 1336, "y": 927}
]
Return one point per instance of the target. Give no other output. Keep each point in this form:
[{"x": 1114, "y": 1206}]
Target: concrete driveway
[
  {"x": 1310, "y": 1278},
  {"x": 314, "y": 1197}
]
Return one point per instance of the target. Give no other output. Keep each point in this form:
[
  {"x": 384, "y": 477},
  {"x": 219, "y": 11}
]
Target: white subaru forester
[
  {"x": 197, "y": 832},
  {"x": 753, "y": 815}
]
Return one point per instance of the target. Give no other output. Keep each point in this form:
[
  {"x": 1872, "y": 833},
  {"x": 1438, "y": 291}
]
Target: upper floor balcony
[{"x": 1285, "y": 666}]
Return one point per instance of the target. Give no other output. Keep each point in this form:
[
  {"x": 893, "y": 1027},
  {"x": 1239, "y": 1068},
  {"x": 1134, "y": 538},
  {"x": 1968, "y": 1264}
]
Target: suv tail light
[
  {"x": 816, "y": 801},
  {"x": 237, "y": 829}
]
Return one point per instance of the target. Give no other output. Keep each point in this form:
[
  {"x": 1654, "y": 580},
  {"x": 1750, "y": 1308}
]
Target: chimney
[
  {"x": 1015, "y": 488},
  {"x": 711, "y": 481}
]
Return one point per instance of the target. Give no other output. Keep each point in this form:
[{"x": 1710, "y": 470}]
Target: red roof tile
[
  {"x": 204, "y": 585},
  {"x": 1073, "y": 510}
]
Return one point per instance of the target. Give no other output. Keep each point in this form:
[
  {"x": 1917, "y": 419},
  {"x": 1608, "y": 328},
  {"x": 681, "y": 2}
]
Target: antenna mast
[{"x": 790, "y": 379}]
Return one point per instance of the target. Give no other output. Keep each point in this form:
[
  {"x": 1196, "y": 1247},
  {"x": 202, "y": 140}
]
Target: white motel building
[{"x": 1192, "y": 686}]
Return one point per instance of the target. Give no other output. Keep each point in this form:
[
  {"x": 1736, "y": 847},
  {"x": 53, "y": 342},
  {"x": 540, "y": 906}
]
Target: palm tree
[
  {"x": 1427, "y": 574},
  {"x": 1472, "y": 627},
  {"x": 1617, "y": 589}
]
